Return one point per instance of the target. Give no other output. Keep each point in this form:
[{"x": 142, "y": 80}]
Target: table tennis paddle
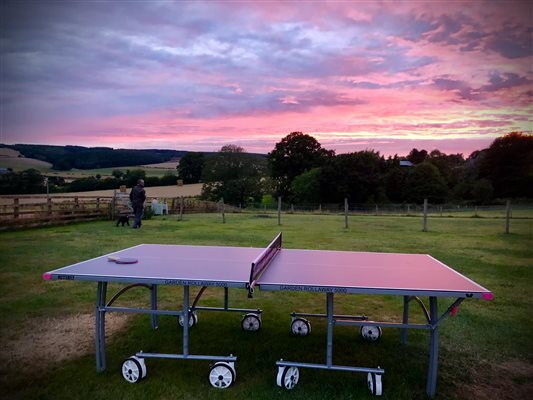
[{"x": 123, "y": 260}]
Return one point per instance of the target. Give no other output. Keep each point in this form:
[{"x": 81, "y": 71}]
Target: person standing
[{"x": 137, "y": 198}]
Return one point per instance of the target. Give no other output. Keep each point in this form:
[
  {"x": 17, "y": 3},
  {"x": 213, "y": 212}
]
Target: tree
[
  {"x": 306, "y": 187},
  {"x": 295, "y": 154},
  {"x": 425, "y": 182},
  {"x": 25, "y": 182},
  {"x": 508, "y": 165},
  {"x": 117, "y": 173},
  {"x": 190, "y": 167},
  {"x": 357, "y": 176},
  {"x": 132, "y": 176},
  {"x": 468, "y": 185},
  {"x": 395, "y": 181},
  {"x": 482, "y": 191},
  {"x": 168, "y": 179},
  {"x": 417, "y": 157},
  {"x": 233, "y": 175},
  {"x": 448, "y": 165}
]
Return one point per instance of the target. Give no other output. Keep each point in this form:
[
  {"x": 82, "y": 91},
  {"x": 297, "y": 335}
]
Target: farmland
[
  {"x": 164, "y": 192},
  {"x": 10, "y": 158}
]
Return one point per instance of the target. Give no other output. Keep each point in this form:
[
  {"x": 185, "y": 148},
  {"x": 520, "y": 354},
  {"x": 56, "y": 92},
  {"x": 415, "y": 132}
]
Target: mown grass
[{"x": 482, "y": 335}]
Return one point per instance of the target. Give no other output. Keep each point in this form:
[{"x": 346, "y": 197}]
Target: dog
[{"x": 123, "y": 219}]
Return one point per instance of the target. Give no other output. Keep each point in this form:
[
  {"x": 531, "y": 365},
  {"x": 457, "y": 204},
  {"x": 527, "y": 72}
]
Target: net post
[{"x": 260, "y": 263}]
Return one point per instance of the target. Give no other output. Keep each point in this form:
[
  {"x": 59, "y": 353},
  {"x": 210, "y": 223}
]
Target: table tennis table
[{"x": 274, "y": 268}]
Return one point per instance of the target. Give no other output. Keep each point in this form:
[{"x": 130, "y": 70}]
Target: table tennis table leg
[
  {"x": 404, "y": 332},
  {"x": 153, "y": 298},
  {"x": 101, "y": 294},
  {"x": 329, "y": 310},
  {"x": 433, "y": 348},
  {"x": 185, "y": 321},
  {"x": 226, "y": 296}
]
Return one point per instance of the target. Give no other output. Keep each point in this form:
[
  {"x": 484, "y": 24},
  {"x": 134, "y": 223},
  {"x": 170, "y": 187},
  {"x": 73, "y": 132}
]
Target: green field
[
  {"x": 18, "y": 164},
  {"x": 486, "y": 349},
  {"x": 22, "y": 163}
]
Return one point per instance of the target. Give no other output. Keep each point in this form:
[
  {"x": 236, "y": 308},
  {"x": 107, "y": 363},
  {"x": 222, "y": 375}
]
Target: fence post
[
  {"x": 98, "y": 203},
  {"x": 377, "y": 209},
  {"x": 408, "y": 209},
  {"x": 112, "y": 205},
  {"x": 76, "y": 203},
  {"x": 16, "y": 208},
  {"x": 346, "y": 212},
  {"x": 279, "y": 210},
  {"x": 223, "y": 210},
  {"x": 507, "y": 216},
  {"x": 49, "y": 205},
  {"x": 425, "y": 219},
  {"x": 181, "y": 209}
]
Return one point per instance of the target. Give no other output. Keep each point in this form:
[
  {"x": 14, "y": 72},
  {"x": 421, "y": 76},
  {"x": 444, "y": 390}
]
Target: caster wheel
[
  {"x": 134, "y": 369},
  {"x": 374, "y": 384},
  {"x": 287, "y": 377},
  {"x": 222, "y": 375},
  {"x": 193, "y": 319},
  {"x": 371, "y": 333},
  {"x": 251, "y": 323},
  {"x": 300, "y": 327}
]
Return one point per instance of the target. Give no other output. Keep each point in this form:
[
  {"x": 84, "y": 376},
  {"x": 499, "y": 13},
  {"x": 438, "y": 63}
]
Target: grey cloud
[
  {"x": 447, "y": 27},
  {"x": 512, "y": 42},
  {"x": 504, "y": 81},
  {"x": 462, "y": 88},
  {"x": 497, "y": 81},
  {"x": 393, "y": 85}
]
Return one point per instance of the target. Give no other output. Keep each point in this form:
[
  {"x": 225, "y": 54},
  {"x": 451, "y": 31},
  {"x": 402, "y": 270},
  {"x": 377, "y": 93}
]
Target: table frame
[
  {"x": 103, "y": 306},
  {"x": 433, "y": 322}
]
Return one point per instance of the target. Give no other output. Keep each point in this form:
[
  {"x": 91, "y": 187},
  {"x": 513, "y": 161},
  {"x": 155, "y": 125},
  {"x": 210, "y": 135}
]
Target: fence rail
[
  {"x": 31, "y": 211},
  {"x": 28, "y": 210},
  {"x": 433, "y": 210}
]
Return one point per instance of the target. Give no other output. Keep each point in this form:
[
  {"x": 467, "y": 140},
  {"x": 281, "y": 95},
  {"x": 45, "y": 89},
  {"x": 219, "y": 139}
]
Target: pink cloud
[{"x": 198, "y": 75}]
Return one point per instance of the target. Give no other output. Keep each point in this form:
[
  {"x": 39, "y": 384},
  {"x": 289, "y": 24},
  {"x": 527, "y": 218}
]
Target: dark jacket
[{"x": 137, "y": 196}]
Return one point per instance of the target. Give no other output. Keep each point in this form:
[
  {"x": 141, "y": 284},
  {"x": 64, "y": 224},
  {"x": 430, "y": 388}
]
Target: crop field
[
  {"x": 47, "y": 330},
  {"x": 159, "y": 192},
  {"x": 157, "y": 170},
  {"x": 10, "y": 159},
  {"x": 21, "y": 163}
]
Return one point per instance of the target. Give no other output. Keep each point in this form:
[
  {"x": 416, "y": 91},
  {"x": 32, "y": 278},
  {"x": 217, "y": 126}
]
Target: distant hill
[{"x": 64, "y": 158}]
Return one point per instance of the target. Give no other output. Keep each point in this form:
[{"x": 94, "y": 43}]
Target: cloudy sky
[{"x": 196, "y": 75}]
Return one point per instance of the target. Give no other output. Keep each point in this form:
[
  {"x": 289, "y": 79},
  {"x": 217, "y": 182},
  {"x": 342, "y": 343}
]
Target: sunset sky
[{"x": 196, "y": 75}]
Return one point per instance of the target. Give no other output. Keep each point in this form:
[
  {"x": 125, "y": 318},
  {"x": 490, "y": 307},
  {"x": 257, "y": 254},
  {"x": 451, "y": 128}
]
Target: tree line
[
  {"x": 64, "y": 158},
  {"x": 300, "y": 170},
  {"x": 31, "y": 181}
]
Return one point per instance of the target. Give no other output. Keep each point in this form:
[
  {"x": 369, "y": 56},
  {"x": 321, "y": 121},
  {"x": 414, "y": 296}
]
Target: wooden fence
[
  {"x": 28, "y": 211},
  {"x": 31, "y": 211}
]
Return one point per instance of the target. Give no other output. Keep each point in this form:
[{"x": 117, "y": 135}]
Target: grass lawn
[{"x": 47, "y": 336}]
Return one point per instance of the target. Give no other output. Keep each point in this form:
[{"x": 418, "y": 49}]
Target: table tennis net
[{"x": 260, "y": 264}]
